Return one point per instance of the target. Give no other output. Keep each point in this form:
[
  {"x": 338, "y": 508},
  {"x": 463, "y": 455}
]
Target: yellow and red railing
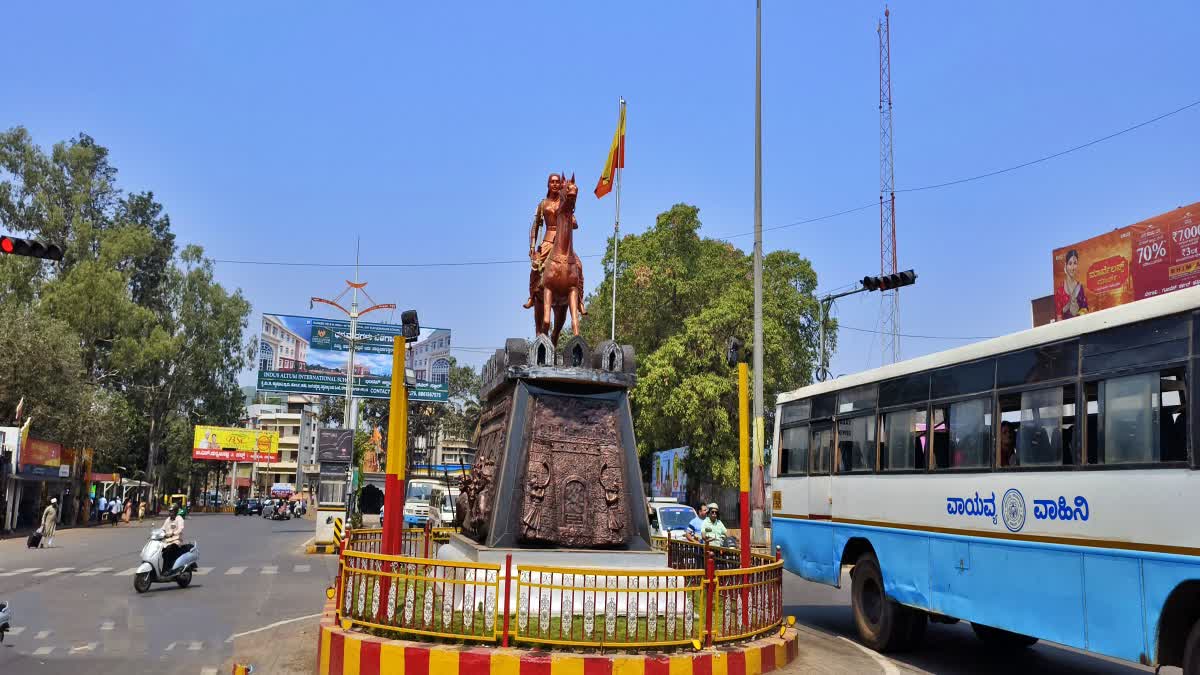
[{"x": 703, "y": 599}]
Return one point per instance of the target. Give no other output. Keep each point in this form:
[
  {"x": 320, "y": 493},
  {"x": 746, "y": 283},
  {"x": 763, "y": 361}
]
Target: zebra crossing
[{"x": 234, "y": 570}]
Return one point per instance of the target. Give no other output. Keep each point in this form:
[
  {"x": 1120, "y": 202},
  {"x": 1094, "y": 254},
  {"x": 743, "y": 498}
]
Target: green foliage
[
  {"x": 144, "y": 342},
  {"x": 680, "y": 297}
]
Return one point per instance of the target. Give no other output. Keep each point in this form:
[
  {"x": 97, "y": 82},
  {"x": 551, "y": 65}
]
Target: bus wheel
[
  {"x": 1191, "y": 651},
  {"x": 1002, "y": 639},
  {"x": 883, "y": 624}
]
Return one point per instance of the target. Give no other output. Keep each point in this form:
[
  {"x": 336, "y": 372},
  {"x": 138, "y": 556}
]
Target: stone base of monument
[{"x": 464, "y": 549}]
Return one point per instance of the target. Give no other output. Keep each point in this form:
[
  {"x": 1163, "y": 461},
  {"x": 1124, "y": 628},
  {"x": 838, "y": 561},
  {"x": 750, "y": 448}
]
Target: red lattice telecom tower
[{"x": 889, "y": 311}]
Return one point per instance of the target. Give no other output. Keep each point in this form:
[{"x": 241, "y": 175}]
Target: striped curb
[
  {"x": 344, "y": 652},
  {"x": 323, "y": 549}
]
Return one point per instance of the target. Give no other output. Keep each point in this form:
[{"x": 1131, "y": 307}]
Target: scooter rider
[{"x": 172, "y": 536}]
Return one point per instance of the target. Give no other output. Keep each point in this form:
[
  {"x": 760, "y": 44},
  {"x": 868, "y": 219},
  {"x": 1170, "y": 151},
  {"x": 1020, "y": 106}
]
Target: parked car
[{"x": 253, "y": 507}]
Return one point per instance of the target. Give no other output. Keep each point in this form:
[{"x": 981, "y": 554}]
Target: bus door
[{"x": 820, "y": 483}]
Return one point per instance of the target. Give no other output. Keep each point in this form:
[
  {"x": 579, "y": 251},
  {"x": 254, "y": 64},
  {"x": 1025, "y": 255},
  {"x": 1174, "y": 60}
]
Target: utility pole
[{"x": 758, "y": 533}]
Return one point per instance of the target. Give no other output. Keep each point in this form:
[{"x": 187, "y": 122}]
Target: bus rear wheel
[
  {"x": 1191, "y": 651},
  {"x": 883, "y": 624},
  {"x": 1002, "y": 639}
]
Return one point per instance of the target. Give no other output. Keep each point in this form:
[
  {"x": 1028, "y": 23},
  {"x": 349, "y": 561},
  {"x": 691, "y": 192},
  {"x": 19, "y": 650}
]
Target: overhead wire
[{"x": 797, "y": 223}]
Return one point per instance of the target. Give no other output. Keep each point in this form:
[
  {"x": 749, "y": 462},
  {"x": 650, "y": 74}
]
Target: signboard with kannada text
[
  {"x": 1152, "y": 257},
  {"x": 36, "y": 452},
  {"x": 229, "y": 444}
]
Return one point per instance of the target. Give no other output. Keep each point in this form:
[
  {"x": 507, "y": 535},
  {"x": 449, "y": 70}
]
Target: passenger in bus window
[{"x": 1008, "y": 444}]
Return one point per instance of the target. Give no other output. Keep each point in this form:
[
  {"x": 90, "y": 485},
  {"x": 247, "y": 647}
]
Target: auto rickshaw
[{"x": 172, "y": 501}]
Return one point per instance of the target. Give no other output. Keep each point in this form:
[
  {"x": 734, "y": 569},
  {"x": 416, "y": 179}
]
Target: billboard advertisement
[
  {"x": 229, "y": 444},
  {"x": 309, "y": 355},
  {"x": 1158, "y": 255},
  {"x": 335, "y": 445},
  {"x": 36, "y": 452},
  {"x": 667, "y": 478}
]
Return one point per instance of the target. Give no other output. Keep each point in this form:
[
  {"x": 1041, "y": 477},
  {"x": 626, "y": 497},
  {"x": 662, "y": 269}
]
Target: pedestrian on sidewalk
[
  {"x": 114, "y": 510},
  {"x": 49, "y": 522},
  {"x": 102, "y": 510},
  {"x": 128, "y": 511},
  {"x": 141, "y": 510}
]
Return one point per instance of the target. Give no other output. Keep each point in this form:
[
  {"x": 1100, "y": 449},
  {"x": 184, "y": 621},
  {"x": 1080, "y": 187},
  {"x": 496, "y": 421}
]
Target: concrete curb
[
  {"x": 343, "y": 652},
  {"x": 321, "y": 549}
]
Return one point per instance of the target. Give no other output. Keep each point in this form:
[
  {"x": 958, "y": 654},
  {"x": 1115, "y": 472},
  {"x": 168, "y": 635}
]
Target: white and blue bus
[{"x": 1042, "y": 485}]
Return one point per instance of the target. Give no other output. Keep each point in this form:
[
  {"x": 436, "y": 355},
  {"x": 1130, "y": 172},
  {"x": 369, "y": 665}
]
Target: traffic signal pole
[
  {"x": 397, "y": 453},
  {"x": 889, "y": 282}
]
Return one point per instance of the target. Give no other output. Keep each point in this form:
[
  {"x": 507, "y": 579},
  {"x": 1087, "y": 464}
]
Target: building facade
[
  {"x": 296, "y": 422},
  {"x": 430, "y": 358},
  {"x": 280, "y": 348}
]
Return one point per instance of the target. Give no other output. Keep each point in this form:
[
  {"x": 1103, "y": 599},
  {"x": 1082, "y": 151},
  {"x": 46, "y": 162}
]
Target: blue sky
[{"x": 280, "y": 131}]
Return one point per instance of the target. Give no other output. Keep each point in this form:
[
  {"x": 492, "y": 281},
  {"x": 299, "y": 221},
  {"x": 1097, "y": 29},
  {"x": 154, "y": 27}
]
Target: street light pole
[{"x": 758, "y": 533}]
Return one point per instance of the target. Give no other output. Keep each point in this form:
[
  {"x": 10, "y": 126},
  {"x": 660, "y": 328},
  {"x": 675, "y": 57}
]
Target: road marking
[
  {"x": 208, "y": 671},
  {"x": 16, "y": 630},
  {"x": 108, "y": 625},
  {"x": 270, "y": 569},
  {"x": 886, "y": 664},
  {"x": 126, "y": 573},
  {"x": 89, "y": 647},
  {"x": 195, "y": 646},
  {"x": 302, "y": 568},
  {"x": 94, "y": 572},
  {"x": 269, "y": 626},
  {"x": 42, "y": 635},
  {"x": 56, "y": 570},
  {"x": 201, "y": 571},
  {"x": 43, "y": 651},
  {"x": 23, "y": 570},
  {"x": 170, "y": 646},
  {"x": 234, "y": 570}
]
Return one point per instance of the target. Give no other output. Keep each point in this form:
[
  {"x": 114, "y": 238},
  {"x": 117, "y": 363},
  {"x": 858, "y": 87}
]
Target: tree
[{"x": 680, "y": 298}]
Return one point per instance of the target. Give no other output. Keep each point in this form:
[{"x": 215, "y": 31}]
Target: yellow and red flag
[{"x": 616, "y": 157}]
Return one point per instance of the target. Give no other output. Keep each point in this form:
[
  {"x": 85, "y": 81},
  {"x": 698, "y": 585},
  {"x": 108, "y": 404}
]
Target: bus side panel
[
  {"x": 1028, "y": 589},
  {"x": 903, "y": 559},
  {"x": 807, "y": 548},
  {"x": 1159, "y": 579},
  {"x": 1112, "y": 586}
]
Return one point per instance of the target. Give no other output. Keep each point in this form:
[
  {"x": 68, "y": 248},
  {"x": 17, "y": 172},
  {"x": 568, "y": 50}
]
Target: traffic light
[
  {"x": 410, "y": 326},
  {"x": 888, "y": 282},
  {"x": 30, "y": 248}
]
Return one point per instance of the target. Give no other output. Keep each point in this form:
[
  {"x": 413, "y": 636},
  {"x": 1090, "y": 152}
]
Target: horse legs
[
  {"x": 560, "y": 318},
  {"x": 538, "y": 312},
  {"x": 547, "y": 309},
  {"x": 573, "y": 304}
]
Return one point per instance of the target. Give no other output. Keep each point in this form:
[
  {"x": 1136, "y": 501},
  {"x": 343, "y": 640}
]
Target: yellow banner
[{"x": 230, "y": 444}]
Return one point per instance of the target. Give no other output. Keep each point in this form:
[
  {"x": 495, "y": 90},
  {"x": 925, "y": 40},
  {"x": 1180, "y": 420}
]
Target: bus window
[
  {"x": 1142, "y": 418},
  {"x": 856, "y": 444},
  {"x": 794, "y": 458},
  {"x": 1037, "y": 427},
  {"x": 821, "y": 450},
  {"x": 903, "y": 440},
  {"x": 962, "y": 435},
  {"x": 796, "y": 411}
]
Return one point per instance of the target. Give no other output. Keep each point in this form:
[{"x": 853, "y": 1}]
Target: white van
[{"x": 669, "y": 518}]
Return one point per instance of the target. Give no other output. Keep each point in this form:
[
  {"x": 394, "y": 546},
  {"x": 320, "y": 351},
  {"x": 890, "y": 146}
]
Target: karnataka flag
[{"x": 616, "y": 157}]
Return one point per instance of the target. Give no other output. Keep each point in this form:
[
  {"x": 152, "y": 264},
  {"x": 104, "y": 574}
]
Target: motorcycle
[
  {"x": 280, "y": 514},
  {"x": 5, "y": 619},
  {"x": 151, "y": 570}
]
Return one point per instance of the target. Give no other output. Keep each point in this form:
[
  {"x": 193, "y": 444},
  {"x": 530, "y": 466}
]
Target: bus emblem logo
[{"x": 1013, "y": 508}]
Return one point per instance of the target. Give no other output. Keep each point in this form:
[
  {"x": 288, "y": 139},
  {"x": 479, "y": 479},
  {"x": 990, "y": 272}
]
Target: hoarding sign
[
  {"x": 228, "y": 444},
  {"x": 1155, "y": 256},
  {"x": 335, "y": 445},
  {"x": 41, "y": 453},
  {"x": 668, "y": 478},
  {"x": 309, "y": 355}
]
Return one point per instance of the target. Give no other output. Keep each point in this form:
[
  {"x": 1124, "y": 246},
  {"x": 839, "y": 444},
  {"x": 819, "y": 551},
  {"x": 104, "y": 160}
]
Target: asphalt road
[
  {"x": 75, "y": 606},
  {"x": 829, "y": 644}
]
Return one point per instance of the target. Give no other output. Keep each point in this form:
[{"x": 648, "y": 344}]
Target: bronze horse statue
[{"x": 562, "y": 272}]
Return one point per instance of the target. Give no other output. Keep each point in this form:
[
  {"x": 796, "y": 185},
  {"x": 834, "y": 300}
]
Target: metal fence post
[
  {"x": 427, "y": 532},
  {"x": 710, "y": 588},
  {"x": 507, "y": 590},
  {"x": 778, "y": 554}
]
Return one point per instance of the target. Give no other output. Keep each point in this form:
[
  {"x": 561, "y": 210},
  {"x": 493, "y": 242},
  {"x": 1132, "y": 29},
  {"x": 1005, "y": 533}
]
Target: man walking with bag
[{"x": 49, "y": 522}]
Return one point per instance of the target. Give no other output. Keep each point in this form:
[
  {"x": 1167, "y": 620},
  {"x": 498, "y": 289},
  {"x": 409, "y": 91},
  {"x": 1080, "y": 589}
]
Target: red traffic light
[{"x": 30, "y": 248}]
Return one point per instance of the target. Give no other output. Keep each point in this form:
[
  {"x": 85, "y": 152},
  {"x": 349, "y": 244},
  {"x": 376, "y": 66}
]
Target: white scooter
[
  {"x": 5, "y": 619},
  {"x": 151, "y": 569}
]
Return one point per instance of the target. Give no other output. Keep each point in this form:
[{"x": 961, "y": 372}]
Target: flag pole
[{"x": 617, "y": 221}]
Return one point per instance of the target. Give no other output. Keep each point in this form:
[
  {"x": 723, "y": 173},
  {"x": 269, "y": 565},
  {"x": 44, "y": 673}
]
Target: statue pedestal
[
  {"x": 556, "y": 467},
  {"x": 463, "y": 549}
]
